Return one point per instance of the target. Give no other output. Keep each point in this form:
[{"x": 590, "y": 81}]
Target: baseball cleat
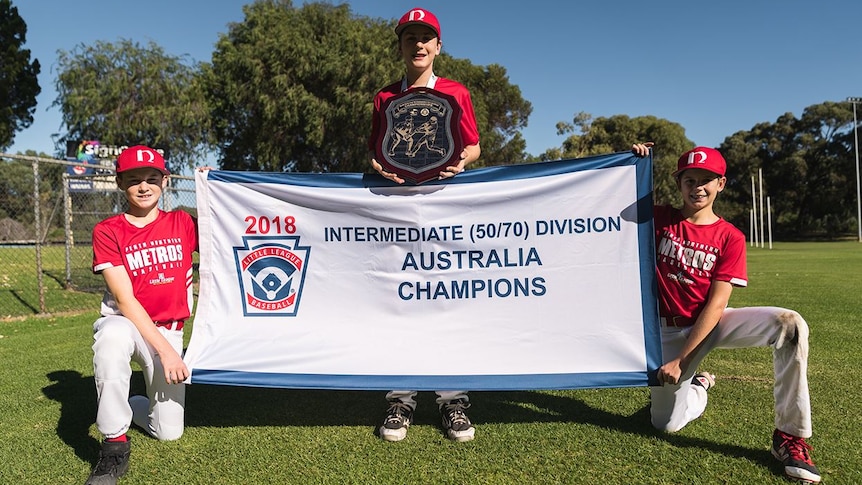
[
  {"x": 113, "y": 463},
  {"x": 794, "y": 453}
]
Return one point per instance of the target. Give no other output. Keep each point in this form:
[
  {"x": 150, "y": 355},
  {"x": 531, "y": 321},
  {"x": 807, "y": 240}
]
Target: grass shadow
[
  {"x": 77, "y": 397},
  {"x": 231, "y": 406},
  {"x": 258, "y": 406},
  {"x": 15, "y": 294},
  {"x": 56, "y": 277},
  {"x": 250, "y": 406},
  {"x": 521, "y": 406}
]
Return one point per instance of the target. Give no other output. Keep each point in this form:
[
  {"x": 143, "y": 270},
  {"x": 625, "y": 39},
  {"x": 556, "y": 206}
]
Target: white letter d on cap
[
  {"x": 150, "y": 156},
  {"x": 696, "y": 157}
]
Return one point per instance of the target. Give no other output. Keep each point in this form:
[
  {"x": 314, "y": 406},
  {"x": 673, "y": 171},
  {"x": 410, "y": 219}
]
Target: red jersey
[
  {"x": 468, "y": 129},
  {"x": 690, "y": 257},
  {"x": 157, "y": 257}
]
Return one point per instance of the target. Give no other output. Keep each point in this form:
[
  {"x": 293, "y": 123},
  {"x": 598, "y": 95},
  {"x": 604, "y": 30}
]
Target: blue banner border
[{"x": 421, "y": 383}]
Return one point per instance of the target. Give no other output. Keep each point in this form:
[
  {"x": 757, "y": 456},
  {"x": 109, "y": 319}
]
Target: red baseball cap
[
  {"x": 418, "y": 16},
  {"x": 704, "y": 158},
  {"x": 140, "y": 156}
]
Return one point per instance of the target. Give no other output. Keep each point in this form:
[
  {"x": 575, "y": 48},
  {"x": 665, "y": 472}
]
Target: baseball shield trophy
[{"x": 419, "y": 135}]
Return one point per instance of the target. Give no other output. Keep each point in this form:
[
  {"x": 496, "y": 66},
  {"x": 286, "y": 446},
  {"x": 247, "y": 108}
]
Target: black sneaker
[
  {"x": 793, "y": 452},
  {"x": 399, "y": 416},
  {"x": 455, "y": 421},
  {"x": 113, "y": 463}
]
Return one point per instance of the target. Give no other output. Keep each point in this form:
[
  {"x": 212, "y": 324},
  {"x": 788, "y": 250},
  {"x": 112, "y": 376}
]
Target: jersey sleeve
[
  {"x": 193, "y": 233},
  {"x": 106, "y": 249},
  {"x": 731, "y": 266}
]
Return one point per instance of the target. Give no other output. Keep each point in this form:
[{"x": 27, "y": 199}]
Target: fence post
[
  {"x": 166, "y": 199},
  {"x": 67, "y": 229},
  {"x": 37, "y": 202}
]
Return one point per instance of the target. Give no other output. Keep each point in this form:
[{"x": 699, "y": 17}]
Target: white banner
[{"x": 536, "y": 276}]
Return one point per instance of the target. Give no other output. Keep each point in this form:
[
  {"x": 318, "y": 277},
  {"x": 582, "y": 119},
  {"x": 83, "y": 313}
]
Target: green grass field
[{"x": 251, "y": 436}]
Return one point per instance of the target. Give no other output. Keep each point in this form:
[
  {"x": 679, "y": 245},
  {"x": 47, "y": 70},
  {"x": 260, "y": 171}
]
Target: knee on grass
[
  {"x": 666, "y": 427},
  {"x": 665, "y": 423},
  {"x": 166, "y": 433},
  {"x": 169, "y": 434}
]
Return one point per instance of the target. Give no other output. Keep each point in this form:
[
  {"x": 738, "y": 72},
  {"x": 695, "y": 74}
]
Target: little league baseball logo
[
  {"x": 271, "y": 273},
  {"x": 420, "y": 134}
]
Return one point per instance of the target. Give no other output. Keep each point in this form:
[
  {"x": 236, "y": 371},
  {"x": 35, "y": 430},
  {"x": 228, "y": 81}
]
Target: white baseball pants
[
  {"x": 116, "y": 343},
  {"x": 674, "y": 406}
]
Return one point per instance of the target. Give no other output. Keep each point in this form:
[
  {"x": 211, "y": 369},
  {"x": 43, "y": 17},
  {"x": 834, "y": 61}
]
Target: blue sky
[{"x": 713, "y": 67}]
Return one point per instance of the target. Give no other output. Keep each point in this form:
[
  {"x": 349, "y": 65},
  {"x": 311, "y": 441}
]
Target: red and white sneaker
[
  {"x": 793, "y": 452},
  {"x": 704, "y": 380}
]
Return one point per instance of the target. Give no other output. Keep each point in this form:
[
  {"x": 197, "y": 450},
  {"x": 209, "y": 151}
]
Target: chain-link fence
[{"x": 47, "y": 212}]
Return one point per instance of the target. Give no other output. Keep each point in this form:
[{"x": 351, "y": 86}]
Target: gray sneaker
[
  {"x": 455, "y": 421},
  {"x": 399, "y": 416},
  {"x": 113, "y": 463}
]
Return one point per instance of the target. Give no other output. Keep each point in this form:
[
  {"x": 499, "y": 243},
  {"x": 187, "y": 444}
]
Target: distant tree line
[
  {"x": 290, "y": 89},
  {"x": 807, "y": 165}
]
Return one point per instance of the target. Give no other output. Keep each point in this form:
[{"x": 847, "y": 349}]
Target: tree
[
  {"x": 19, "y": 84},
  {"x": 808, "y": 172},
  {"x": 501, "y": 112},
  {"x": 618, "y": 133},
  {"x": 292, "y": 89},
  {"x": 128, "y": 94}
]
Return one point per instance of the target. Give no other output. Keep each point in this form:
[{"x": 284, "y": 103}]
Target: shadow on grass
[
  {"x": 77, "y": 397},
  {"x": 515, "y": 407},
  {"x": 230, "y": 406},
  {"x": 226, "y": 406},
  {"x": 14, "y": 294},
  {"x": 60, "y": 280}
]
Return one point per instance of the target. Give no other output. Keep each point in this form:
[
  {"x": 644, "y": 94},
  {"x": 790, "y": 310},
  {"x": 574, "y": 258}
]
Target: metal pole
[
  {"x": 38, "y": 229},
  {"x": 751, "y": 226},
  {"x": 67, "y": 229},
  {"x": 754, "y": 210},
  {"x": 760, "y": 179},
  {"x": 769, "y": 219},
  {"x": 856, "y": 145}
]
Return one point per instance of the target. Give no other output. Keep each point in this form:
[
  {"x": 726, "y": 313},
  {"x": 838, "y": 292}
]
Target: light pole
[{"x": 855, "y": 100}]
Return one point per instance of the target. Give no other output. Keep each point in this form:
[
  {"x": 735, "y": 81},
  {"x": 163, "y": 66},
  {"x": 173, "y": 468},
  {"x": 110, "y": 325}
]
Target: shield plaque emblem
[{"x": 420, "y": 134}]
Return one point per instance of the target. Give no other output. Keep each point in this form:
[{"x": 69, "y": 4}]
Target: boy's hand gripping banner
[{"x": 537, "y": 276}]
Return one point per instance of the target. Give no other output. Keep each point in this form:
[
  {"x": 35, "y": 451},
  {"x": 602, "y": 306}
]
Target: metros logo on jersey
[{"x": 271, "y": 273}]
